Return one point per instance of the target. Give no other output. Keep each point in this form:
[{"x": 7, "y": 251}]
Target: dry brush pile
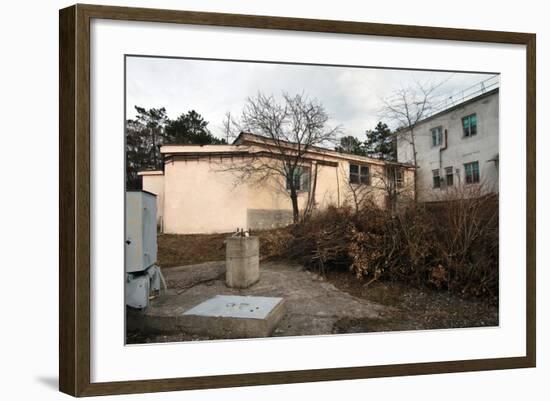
[{"x": 450, "y": 245}]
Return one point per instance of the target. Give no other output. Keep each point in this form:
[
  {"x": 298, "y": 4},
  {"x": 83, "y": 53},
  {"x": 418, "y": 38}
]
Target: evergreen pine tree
[{"x": 380, "y": 143}]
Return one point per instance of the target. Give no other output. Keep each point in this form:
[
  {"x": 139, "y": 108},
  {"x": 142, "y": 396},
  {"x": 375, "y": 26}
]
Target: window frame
[
  {"x": 468, "y": 133},
  {"x": 359, "y": 178},
  {"x": 299, "y": 173},
  {"x": 399, "y": 177},
  {"x": 473, "y": 180},
  {"x": 439, "y": 136},
  {"x": 395, "y": 175}
]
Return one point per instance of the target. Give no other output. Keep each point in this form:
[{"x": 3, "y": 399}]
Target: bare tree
[
  {"x": 406, "y": 107},
  {"x": 231, "y": 127},
  {"x": 289, "y": 129}
]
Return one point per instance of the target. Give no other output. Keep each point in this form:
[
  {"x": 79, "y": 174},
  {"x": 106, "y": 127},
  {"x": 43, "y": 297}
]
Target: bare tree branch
[{"x": 406, "y": 107}]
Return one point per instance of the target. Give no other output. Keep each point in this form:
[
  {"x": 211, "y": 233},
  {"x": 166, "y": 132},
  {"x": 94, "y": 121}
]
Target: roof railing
[{"x": 464, "y": 95}]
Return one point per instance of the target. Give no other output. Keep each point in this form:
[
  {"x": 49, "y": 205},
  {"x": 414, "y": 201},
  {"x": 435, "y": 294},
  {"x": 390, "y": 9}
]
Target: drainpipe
[
  {"x": 441, "y": 149},
  {"x": 338, "y": 183}
]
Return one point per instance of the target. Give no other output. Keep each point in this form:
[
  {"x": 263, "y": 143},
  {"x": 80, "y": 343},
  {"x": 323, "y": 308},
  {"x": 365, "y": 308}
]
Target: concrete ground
[{"x": 313, "y": 306}]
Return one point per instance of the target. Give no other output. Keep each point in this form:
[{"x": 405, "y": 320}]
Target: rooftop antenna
[{"x": 451, "y": 100}]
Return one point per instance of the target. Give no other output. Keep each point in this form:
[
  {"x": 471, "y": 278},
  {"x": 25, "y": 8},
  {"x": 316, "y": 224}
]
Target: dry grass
[{"x": 179, "y": 250}]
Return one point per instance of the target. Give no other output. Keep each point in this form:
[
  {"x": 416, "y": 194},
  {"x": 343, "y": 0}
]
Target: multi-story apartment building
[{"x": 456, "y": 148}]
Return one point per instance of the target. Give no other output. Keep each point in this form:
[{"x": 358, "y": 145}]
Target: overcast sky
[{"x": 351, "y": 96}]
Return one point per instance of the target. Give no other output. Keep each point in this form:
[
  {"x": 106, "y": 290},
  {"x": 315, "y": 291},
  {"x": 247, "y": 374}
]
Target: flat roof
[
  {"x": 258, "y": 147},
  {"x": 191, "y": 148},
  {"x": 151, "y": 172}
]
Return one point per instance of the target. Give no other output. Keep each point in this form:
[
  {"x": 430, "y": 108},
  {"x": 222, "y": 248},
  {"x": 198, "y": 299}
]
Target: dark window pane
[
  {"x": 436, "y": 179},
  {"x": 354, "y": 174},
  {"x": 305, "y": 179},
  {"x": 449, "y": 176},
  {"x": 365, "y": 177},
  {"x": 475, "y": 171},
  {"x": 466, "y": 126},
  {"x": 295, "y": 180}
]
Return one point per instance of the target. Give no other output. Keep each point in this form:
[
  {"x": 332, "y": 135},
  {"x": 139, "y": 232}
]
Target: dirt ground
[
  {"x": 415, "y": 308},
  {"x": 335, "y": 303}
]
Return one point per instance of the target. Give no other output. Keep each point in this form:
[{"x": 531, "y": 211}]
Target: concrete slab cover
[
  {"x": 232, "y": 316},
  {"x": 246, "y": 307}
]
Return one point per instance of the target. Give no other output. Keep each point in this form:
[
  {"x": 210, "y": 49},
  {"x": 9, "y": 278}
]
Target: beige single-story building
[{"x": 210, "y": 188}]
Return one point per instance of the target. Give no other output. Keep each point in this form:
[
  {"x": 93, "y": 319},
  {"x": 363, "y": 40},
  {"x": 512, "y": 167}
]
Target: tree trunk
[
  {"x": 312, "y": 188},
  {"x": 295, "y": 210},
  {"x": 415, "y": 175},
  {"x": 154, "y": 140}
]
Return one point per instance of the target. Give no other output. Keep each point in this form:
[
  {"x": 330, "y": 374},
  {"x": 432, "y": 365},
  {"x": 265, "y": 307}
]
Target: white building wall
[{"x": 481, "y": 147}]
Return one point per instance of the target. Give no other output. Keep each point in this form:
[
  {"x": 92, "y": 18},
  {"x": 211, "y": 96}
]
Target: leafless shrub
[
  {"x": 469, "y": 246},
  {"x": 275, "y": 243}
]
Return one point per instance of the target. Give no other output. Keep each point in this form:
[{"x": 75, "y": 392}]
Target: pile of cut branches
[{"x": 450, "y": 245}]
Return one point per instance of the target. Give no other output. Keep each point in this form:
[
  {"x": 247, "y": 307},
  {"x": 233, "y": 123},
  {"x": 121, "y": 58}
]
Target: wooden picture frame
[{"x": 74, "y": 199}]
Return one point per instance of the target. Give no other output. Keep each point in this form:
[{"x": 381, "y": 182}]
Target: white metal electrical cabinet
[
  {"x": 141, "y": 230},
  {"x": 143, "y": 276}
]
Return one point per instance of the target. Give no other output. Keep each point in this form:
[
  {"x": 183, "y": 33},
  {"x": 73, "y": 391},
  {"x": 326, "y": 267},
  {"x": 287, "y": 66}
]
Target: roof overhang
[{"x": 151, "y": 172}]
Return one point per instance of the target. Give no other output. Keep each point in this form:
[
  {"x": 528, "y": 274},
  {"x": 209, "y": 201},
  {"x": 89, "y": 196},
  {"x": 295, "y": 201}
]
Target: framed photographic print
[{"x": 250, "y": 200}]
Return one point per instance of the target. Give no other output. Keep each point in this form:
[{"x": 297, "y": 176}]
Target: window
[
  {"x": 300, "y": 178},
  {"x": 469, "y": 125},
  {"x": 449, "y": 176},
  {"x": 359, "y": 174},
  {"x": 437, "y": 134},
  {"x": 394, "y": 175},
  {"x": 471, "y": 171},
  {"x": 436, "y": 179},
  {"x": 399, "y": 177}
]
